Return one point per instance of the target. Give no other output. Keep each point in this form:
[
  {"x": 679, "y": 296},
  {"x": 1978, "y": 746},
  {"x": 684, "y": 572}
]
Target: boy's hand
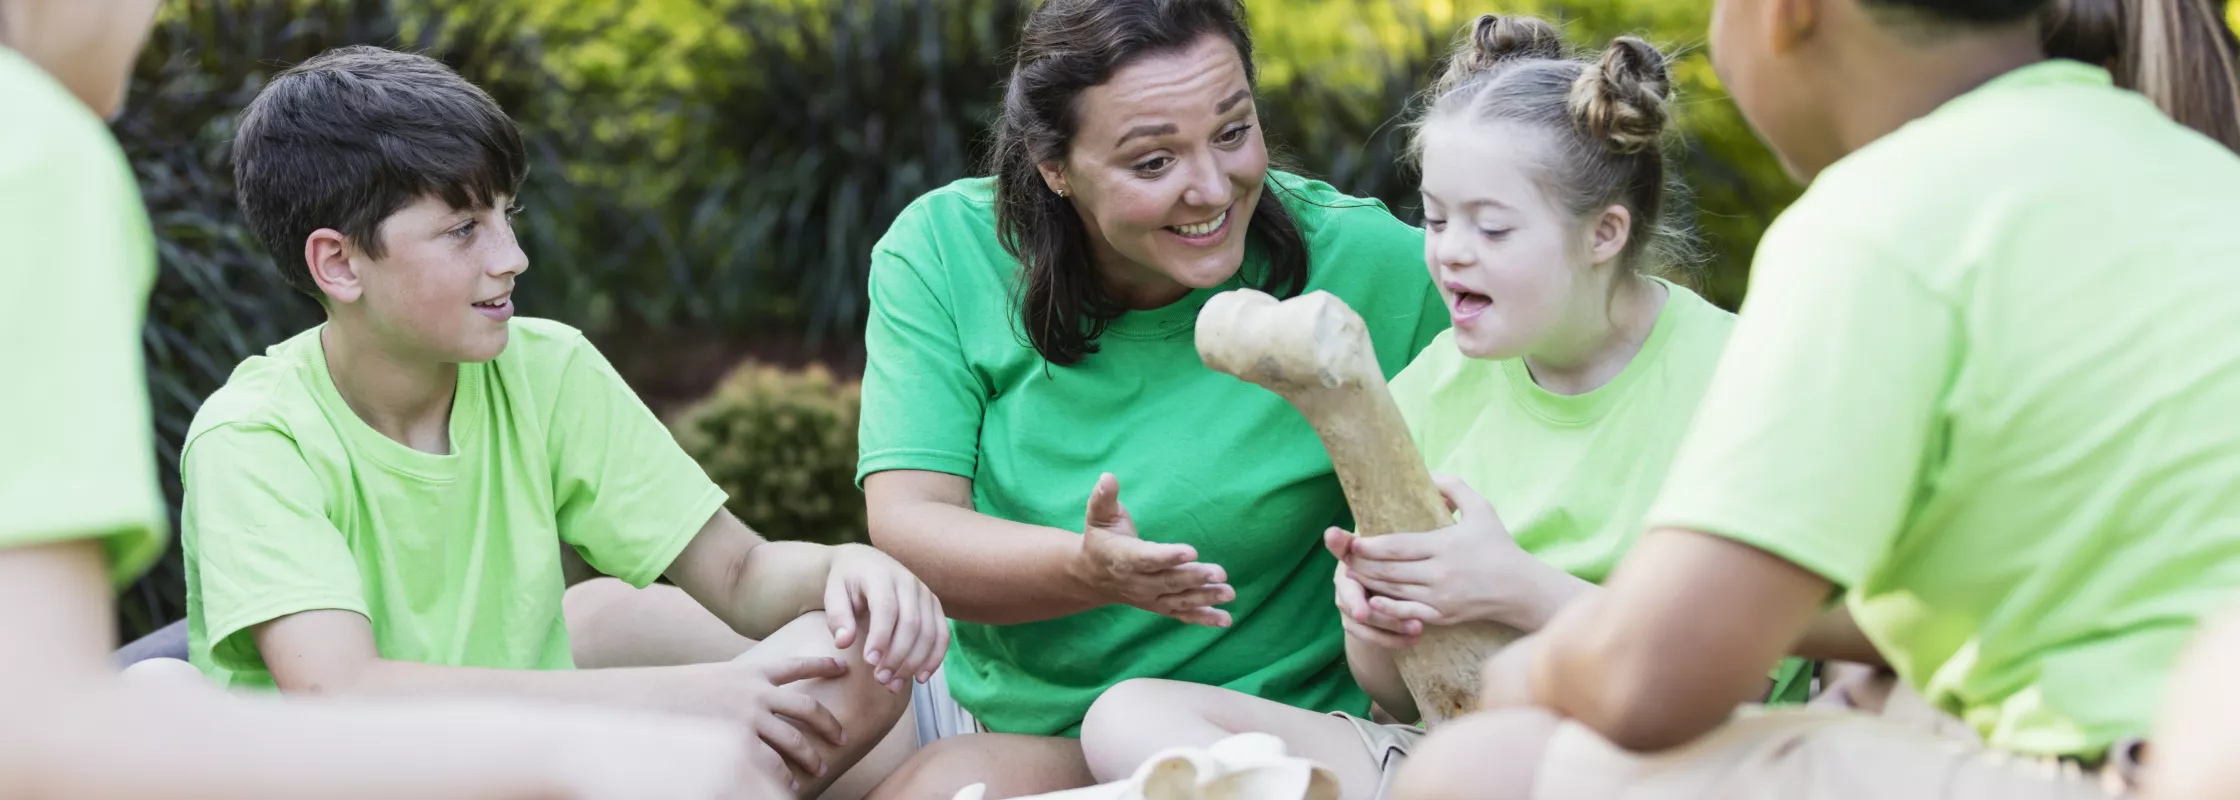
[
  {"x": 905, "y": 633},
  {"x": 1164, "y": 579},
  {"x": 758, "y": 695},
  {"x": 1471, "y": 570}
]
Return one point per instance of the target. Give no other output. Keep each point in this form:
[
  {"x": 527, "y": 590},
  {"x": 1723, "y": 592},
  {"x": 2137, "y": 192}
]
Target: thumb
[
  {"x": 1461, "y": 497},
  {"x": 799, "y": 669},
  {"x": 1338, "y": 541},
  {"x": 1104, "y": 505}
]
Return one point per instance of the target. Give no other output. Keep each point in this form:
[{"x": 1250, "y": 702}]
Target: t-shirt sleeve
[
  {"x": 628, "y": 497},
  {"x": 922, "y": 407},
  {"x": 77, "y": 449},
  {"x": 256, "y": 531},
  {"x": 1814, "y": 435}
]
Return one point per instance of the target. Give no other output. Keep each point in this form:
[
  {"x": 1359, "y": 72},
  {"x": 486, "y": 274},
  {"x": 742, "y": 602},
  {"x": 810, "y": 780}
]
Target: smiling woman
[{"x": 1031, "y": 348}]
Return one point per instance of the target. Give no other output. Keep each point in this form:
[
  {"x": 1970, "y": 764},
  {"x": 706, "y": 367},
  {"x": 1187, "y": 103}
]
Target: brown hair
[
  {"x": 2178, "y": 53},
  {"x": 349, "y": 137},
  {"x": 1067, "y": 47},
  {"x": 1607, "y": 114}
]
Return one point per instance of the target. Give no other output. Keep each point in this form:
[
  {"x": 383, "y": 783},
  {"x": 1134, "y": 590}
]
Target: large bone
[{"x": 1314, "y": 351}]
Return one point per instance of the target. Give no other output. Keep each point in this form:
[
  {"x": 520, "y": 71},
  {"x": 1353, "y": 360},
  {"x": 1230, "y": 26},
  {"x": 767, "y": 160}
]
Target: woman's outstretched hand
[{"x": 1163, "y": 579}]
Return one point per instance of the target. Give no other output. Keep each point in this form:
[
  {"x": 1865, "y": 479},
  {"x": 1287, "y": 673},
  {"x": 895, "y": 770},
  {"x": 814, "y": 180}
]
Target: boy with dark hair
[
  {"x": 378, "y": 505},
  {"x": 1981, "y": 391},
  {"x": 80, "y": 512}
]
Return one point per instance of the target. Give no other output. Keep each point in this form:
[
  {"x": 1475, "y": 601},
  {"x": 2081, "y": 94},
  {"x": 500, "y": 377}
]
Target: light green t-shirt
[
  {"x": 295, "y": 504},
  {"x": 1202, "y": 458},
  {"x": 77, "y": 446},
  {"x": 1987, "y": 378},
  {"x": 1571, "y": 475}
]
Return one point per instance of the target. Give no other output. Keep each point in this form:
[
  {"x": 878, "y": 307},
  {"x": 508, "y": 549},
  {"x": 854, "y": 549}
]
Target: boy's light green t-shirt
[
  {"x": 295, "y": 504},
  {"x": 1571, "y": 475},
  {"x": 1202, "y": 458},
  {"x": 77, "y": 446},
  {"x": 1987, "y": 379}
]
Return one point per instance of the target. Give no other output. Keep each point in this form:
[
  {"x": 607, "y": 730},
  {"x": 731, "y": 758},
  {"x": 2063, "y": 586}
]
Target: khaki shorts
[
  {"x": 1388, "y": 746},
  {"x": 1906, "y": 751}
]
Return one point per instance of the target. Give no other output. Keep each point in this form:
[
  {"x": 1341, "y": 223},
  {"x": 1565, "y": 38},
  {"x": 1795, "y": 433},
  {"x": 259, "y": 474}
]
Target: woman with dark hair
[{"x": 1031, "y": 350}]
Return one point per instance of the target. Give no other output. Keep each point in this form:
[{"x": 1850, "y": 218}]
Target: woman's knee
[
  {"x": 1482, "y": 756},
  {"x": 1129, "y": 703}
]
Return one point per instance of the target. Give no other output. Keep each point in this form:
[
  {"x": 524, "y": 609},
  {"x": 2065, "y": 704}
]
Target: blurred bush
[
  {"x": 718, "y": 170},
  {"x": 782, "y": 443}
]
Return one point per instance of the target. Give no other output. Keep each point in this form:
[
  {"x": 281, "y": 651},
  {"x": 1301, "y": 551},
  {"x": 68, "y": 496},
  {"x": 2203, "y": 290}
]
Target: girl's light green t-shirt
[{"x": 1572, "y": 475}]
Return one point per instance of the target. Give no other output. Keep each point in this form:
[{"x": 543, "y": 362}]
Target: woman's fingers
[{"x": 1209, "y": 617}]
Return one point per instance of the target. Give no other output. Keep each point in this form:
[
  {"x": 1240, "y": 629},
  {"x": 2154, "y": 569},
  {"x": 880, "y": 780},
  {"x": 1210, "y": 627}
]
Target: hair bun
[
  {"x": 1624, "y": 100},
  {"x": 1496, "y": 39}
]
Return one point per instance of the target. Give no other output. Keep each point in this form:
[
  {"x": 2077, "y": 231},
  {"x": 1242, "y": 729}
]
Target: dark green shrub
[{"x": 782, "y": 443}]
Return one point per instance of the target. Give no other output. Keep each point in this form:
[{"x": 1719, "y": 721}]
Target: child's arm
[
  {"x": 1370, "y": 639},
  {"x": 73, "y": 729},
  {"x": 332, "y": 652},
  {"x": 1681, "y": 633},
  {"x": 756, "y": 586}
]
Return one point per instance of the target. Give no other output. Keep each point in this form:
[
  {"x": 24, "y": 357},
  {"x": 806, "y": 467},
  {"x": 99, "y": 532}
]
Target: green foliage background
[{"x": 709, "y": 175}]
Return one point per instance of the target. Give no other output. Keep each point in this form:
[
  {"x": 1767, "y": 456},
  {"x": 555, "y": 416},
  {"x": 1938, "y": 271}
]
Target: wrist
[
  {"x": 1080, "y": 573},
  {"x": 1534, "y": 593}
]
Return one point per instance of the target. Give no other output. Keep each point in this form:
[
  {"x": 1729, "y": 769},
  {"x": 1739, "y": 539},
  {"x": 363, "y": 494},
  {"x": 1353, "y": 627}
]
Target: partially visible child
[
  {"x": 1981, "y": 391},
  {"x": 80, "y": 512},
  {"x": 377, "y": 506},
  {"x": 1561, "y": 391}
]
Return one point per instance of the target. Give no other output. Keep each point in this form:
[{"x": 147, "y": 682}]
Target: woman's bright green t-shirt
[
  {"x": 77, "y": 445},
  {"x": 1572, "y": 475},
  {"x": 1202, "y": 458}
]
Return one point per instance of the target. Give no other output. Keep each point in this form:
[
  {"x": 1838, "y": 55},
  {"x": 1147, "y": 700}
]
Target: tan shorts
[
  {"x": 1388, "y": 746},
  {"x": 1824, "y": 753}
]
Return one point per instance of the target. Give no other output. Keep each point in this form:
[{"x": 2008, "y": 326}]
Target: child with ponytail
[
  {"x": 1980, "y": 392},
  {"x": 1560, "y": 393}
]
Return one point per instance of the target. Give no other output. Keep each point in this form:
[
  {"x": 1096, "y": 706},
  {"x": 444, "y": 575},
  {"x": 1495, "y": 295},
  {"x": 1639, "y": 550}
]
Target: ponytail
[{"x": 2179, "y": 53}]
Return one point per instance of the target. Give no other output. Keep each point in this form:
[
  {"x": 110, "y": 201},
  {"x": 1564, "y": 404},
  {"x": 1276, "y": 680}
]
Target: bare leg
[
  {"x": 1009, "y": 764},
  {"x": 1491, "y": 756},
  {"x": 611, "y": 624},
  {"x": 1135, "y": 720},
  {"x": 867, "y": 710}
]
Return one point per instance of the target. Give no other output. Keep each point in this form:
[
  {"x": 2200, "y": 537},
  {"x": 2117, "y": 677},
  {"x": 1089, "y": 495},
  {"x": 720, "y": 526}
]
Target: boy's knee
[
  {"x": 582, "y": 600},
  {"x": 165, "y": 674},
  {"x": 1482, "y": 756}
]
